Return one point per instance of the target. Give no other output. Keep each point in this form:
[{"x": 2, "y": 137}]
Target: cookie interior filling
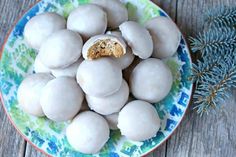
[{"x": 106, "y": 47}]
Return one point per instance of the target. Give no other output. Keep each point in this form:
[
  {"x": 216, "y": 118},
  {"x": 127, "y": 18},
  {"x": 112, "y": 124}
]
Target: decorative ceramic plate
[{"x": 49, "y": 137}]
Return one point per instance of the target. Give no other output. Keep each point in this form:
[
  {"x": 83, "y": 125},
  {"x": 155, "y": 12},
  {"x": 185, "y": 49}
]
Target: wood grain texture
[
  {"x": 190, "y": 13},
  {"x": 211, "y": 135},
  {"x": 11, "y": 143},
  {"x": 159, "y": 152},
  {"x": 207, "y": 136},
  {"x": 32, "y": 152}
]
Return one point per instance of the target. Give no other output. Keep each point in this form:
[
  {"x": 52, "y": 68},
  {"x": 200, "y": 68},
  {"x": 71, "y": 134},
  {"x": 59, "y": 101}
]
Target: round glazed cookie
[
  {"x": 109, "y": 104},
  {"x": 30, "y": 91},
  {"x": 102, "y": 46},
  {"x": 41, "y": 26},
  {"x": 151, "y": 80},
  {"x": 39, "y": 67},
  {"x": 138, "y": 38},
  {"x": 61, "y": 99},
  {"x": 88, "y": 132},
  {"x": 69, "y": 71},
  {"x": 166, "y": 36},
  {"x": 116, "y": 11},
  {"x": 115, "y": 33},
  {"x": 100, "y": 77},
  {"x": 61, "y": 49},
  {"x": 125, "y": 60},
  {"x": 88, "y": 20},
  {"x": 112, "y": 121},
  {"x": 136, "y": 116}
]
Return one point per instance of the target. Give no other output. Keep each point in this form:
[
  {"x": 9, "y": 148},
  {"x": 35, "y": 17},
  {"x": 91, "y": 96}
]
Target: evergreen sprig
[
  {"x": 201, "y": 70},
  {"x": 215, "y": 72},
  {"x": 221, "y": 17},
  {"x": 216, "y": 87},
  {"x": 214, "y": 40}
]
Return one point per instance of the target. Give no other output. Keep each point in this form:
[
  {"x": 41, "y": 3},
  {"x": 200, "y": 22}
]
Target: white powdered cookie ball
[
  {"x": 138, "y": 38},
  {"x": 115, "y": 33},
  {"x": 116, "y": 11},
  {"x": 138, "y": 121},
  {"x": 88, "y": 132},
  {"x": 112, "y": 121},
  {"x": 69, "y": 71},
  {"x": 100, "y": 77},
  {"x": 109, "y": 104},
  {"x": 166, "y": 36},
  {"x": 61, "y": 49},
  {"x": 88, "y": 20},
  {"x": 61, "y": 99},
  {"x": 39, "y": 67},
  {"x": 125, "y": 60},
  {"x": 151, "y": 80},
  {"x": 41, "y": 26},
  {"x": 30, "y": 91}
]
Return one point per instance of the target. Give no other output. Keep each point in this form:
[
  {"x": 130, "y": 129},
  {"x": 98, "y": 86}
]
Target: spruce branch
[
  {"x": 208, "y": 64},
  {"x": 213, "y": 41},
  {"x": 221, "y": 17},
  {"x": 215, "y": 72},
  {"x": 216, "y": 86},
  {"x": 203, "y": 68}
]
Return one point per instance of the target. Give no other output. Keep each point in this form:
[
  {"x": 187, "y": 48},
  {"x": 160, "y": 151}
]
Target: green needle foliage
[
  {"x": 221, "y": 17},
  {"x": 216, "y": 85},
  {"x": 214, "y": 40},
  {"x": 215, "y": 71}
]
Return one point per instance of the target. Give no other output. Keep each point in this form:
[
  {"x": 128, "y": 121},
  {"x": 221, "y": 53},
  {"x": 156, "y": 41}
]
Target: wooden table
[{"x": 212, "y": 135}]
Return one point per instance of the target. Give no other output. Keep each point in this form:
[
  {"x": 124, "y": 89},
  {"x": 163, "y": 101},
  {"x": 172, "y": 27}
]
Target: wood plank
[
  {"x": 159, "y": 152},
  {"x": 11, "y": 143},
  {"x": 208, "y": 136},
  {"x": 32, "y": 152},
  {"x": 212, "y": 135},
  {"x": 190, "y": 13}
]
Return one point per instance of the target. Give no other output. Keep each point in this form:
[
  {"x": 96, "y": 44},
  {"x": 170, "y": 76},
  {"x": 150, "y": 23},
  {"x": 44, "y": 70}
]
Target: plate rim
[{"x": 44, "y": 152}]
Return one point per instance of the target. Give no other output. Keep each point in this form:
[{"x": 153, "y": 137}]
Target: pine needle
[
  {"x": 203, "y": 68},
  {"x": 221, "y": 17},
  {"x": 215, "y": 87},
  {"x": 213, "y": 41},
  {"x": 215, "y": 72}
]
